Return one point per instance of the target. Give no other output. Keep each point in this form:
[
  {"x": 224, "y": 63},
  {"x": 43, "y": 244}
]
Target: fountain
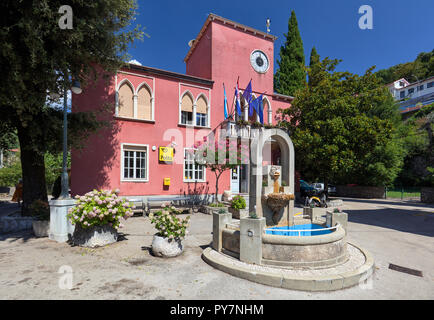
[
  {"x": 279, "y": 197},
  {"x": 275, "y": 248}
]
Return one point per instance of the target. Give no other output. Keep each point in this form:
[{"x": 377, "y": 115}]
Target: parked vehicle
[
  {"x": 319, "y": 186},
  {"x": 310, "y": 195}
]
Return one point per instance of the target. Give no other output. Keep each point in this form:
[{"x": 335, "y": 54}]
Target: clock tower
[{"x": 225, "y": 50}]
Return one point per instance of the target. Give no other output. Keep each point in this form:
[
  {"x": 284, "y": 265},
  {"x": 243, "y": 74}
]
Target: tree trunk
[{"x": 33, "y": 170}]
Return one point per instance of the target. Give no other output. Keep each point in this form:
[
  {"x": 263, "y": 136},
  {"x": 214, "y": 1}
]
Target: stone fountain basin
[{"x": 276, "y": 201}]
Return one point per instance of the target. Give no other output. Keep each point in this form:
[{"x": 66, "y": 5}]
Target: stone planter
[
  {"x": 238, "y": 213},
  {"x": 96, "y": 236},
  {"x": 161, "y": 247},
  {"x": 211, "y": 210},
  {"x": 41, "y": 228}
]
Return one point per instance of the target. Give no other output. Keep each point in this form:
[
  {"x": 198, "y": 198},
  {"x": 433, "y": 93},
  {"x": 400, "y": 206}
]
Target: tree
[
  {"x": 313, "y": 62},
  {"x": 220, "y": 156},
  {"x": 291, "y": 75},
  {"x": 39, "y": 57},
  {"x": 342, "y": 128}
]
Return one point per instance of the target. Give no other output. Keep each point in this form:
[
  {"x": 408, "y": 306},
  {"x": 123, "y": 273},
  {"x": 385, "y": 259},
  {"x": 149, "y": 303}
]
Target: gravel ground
[{"x": 401, "y": 233}]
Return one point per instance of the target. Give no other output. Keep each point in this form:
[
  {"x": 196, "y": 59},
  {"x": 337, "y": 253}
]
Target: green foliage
[
  {"x": 40, "y": 210},
  {"x": 344, "y": 128},
  {"x": 421, "y": 68},
  {"x": 222, "y": 211},
  {"x": 53, "y": 167},
  {"x": 38, "y": 57},
  {"x": 238, "y": 202},
  {"x": 216, "y": 205},
  {"x": 418, "y": 143},
  {"x": 253, "y": 215},
  {"x": 291, "y": 75},
  {"x": 97, "y": 208},
  {"x": 169, "y": 225},
  {"x": 10, "y": 175}
]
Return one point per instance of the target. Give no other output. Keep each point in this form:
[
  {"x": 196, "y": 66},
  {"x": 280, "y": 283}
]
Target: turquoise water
[{"x": 308, "y": 226}]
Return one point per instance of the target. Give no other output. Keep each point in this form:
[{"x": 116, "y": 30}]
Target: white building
[{"x": 412, "y": 96}]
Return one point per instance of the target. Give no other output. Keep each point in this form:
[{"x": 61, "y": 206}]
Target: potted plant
[
  {"x": 238, "y": 207},
  {"x": 167, "y": 242},
  {"x": 41, "y": 215},
  {"x": 97, "y": 217}
]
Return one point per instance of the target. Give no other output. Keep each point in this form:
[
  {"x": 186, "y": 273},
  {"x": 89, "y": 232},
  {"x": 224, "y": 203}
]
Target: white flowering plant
[
  {"x": 98, "y": 208},
  {"x": 168, "y": 224}
]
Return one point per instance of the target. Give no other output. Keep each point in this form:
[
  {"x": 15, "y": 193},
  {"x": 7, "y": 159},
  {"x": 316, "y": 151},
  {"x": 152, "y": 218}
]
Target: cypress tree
[
  {"x": 313, "y": 65},
  {"x": 291, "y": 74},
  {"x": 314, "y": 57}
]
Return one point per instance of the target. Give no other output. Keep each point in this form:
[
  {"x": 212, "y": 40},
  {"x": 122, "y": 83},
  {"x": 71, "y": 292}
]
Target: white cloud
[{"x": 134, "y": 61}]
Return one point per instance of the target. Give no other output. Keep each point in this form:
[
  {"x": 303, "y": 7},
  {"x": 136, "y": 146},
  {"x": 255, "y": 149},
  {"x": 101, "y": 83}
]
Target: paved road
[{"x": 395, "y": 232}]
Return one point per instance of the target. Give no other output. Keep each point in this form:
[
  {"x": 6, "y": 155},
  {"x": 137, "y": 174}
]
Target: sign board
[
  {"x": 165, "y": 154},
  {"x": 166, "y": 181}
]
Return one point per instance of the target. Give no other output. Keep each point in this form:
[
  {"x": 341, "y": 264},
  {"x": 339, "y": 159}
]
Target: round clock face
[{"x": 259, "y": 61}]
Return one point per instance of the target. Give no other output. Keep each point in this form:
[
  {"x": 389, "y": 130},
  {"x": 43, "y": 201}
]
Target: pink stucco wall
[{"x": 222, "y": 55}]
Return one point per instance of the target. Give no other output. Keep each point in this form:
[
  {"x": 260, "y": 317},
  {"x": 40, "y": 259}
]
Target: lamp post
[
  {"x": 60, "y": 228},
  {"x": 76, "y": 88}
]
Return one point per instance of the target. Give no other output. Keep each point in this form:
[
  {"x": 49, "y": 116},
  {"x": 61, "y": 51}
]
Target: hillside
[{"x": 421, "y": 68}]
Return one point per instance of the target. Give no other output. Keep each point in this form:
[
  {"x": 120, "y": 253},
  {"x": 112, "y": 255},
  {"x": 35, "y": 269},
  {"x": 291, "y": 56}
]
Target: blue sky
[{"x": 401, "y": 29}]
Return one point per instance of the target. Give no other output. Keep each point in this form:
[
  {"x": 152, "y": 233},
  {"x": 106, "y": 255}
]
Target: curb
[{"x": 320, "y": 283}]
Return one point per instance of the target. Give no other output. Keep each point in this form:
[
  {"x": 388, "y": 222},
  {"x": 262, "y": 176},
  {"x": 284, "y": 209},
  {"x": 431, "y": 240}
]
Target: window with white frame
[
  {"x": 192, "y": 170},
  {"x": 135, "y": 162}
]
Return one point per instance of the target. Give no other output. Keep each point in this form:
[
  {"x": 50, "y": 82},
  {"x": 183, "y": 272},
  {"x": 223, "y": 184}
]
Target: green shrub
[
  {"x": 253, "y": 215},
  {"x": 169, "y": 225},
  {"x": 216, "y": 205},
  {"x": 238, "y": 202},
  {"x": 9, "y": 176}
]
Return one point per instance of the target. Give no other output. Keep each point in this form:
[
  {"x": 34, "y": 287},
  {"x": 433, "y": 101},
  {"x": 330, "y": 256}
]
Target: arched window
[
  {"x": 126, "y": 103},
  {"x": 144, "y": 103},
  {"x": 187, "y": 109},
  {"x": 267, "y": 111},
  {"x": 201, "y": 112}
]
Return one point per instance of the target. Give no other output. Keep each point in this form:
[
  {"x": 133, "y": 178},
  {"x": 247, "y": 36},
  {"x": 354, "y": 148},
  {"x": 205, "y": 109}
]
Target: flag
[
  {"x": 253, "y": 105},
  {"x": 260, "y": 110},
  {"x": 225, "y": 102},
  {"x": 237, "y": 100},
  {"x": 248, "y": 96}
]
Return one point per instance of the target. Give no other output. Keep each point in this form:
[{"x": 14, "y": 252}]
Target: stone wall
[
  {"x": 365, "y": 192},
  {"x": 427, "y": 195}
]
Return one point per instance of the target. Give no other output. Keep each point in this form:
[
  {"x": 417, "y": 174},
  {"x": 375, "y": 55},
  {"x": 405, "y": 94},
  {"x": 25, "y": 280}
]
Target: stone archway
[{"x": 256, "y": 202}]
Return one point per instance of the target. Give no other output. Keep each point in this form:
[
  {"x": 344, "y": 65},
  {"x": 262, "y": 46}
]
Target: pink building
[{"x": 151, "y": 108}]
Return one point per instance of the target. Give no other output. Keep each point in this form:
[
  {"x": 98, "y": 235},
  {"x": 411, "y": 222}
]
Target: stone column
[
  {"x": 60, "y": 227},
  {"x": 219, "y": 222},
  {"x": 251, "y": 240},
  {"x": 333, "y": 218}
]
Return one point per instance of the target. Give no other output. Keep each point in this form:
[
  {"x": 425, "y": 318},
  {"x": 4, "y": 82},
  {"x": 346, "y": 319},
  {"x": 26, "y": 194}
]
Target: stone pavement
[{"x": 395, "y": 232}]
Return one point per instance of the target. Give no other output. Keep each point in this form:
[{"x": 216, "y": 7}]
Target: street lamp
[{"x": 76, "y": 88}]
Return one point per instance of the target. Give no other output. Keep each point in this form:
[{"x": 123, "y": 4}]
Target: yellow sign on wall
[
  {"x": 166, "y": 181},
  {"x": 165, "y": 154}
]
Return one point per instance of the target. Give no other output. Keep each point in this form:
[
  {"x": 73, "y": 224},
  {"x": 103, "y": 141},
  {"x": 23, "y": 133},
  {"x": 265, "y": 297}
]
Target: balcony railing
[{"x": 234, "y": 130}]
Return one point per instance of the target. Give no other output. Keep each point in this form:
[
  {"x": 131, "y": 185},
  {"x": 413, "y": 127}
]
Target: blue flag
[
  {"x": 248, "y": 96},
  {"x": 225, "y": 102},
  {"x": 260, "y": 109},
  {"x": 237, "y": 100}
]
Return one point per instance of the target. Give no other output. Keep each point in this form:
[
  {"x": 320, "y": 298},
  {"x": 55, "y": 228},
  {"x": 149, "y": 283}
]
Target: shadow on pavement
[{"x": 412, "y": 221}]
